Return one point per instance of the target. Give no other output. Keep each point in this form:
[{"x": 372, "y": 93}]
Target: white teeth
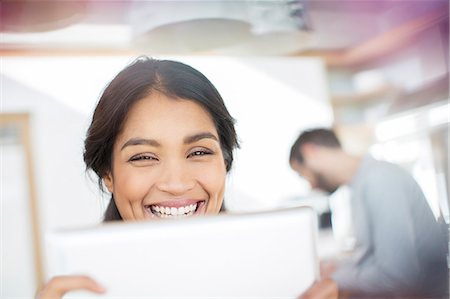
[{"x": 168, "y": 212}]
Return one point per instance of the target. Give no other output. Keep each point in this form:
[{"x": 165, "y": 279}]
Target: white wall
[
  {"x": 16, "y": 245},
  {"x": 65, "y": 193},
  {"x": 64, "y": 196}
]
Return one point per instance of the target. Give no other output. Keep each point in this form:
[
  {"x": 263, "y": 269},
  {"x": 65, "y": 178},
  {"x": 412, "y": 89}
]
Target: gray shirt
[{"x": 401, "y": 249}]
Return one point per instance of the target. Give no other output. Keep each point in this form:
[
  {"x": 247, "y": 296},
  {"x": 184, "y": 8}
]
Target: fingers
[
  {"x": 323, "y": 289},
  {"x": 327, "y": 268},
  {"x": 58, "y": 286}
]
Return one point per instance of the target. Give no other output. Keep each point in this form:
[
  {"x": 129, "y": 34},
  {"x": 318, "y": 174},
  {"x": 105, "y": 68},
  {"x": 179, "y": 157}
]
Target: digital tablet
[{"x": 260, "y": 255}]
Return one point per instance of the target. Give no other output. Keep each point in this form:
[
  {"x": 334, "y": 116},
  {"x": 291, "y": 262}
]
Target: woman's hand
[
  {"x": 322, "y": 289},
  {"x": 327, "y": 268},
  {"x": 58, "y": 286}
]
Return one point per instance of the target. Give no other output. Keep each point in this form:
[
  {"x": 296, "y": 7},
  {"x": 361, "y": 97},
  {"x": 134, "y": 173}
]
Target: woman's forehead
[{"x": 161, "y": 117}]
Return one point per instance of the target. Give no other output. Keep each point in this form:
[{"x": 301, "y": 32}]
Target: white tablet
[{"x": 261, "y": 255}]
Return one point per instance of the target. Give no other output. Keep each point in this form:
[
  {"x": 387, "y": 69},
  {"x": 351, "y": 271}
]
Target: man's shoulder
[
  {"x": 382, "y": 175},
  {"x": 387, "y": 187},
  {"x": 385, "y": 170}
]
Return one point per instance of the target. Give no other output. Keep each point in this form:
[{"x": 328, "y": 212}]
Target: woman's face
[{"x": 167, "y": 161}]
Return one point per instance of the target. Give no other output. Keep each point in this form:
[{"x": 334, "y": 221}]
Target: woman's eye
[
  {"x": 198, "y": 153},
  {"x": 142, "y": 158}
]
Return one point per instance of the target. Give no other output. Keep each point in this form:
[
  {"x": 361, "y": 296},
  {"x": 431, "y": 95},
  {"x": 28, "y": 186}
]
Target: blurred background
[{"x": 377, "y": 71}]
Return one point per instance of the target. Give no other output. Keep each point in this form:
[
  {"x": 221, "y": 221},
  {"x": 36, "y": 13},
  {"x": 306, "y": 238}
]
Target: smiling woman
[
  {"x": 167, "y": 161},
  {"x": 161, "y": 141}
]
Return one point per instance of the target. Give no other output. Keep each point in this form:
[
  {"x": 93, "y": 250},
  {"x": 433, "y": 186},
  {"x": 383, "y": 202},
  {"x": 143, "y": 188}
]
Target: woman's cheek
[
  {"x": 213, "y": 181},
  {"x": 134, "y": 184}
]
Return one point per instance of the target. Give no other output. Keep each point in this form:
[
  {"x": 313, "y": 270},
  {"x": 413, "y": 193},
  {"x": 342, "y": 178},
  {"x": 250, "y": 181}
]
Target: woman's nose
[{"x": 175, "y": 179}]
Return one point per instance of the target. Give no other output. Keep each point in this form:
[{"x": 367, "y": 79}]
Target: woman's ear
[{"x": 108, "y": 181}]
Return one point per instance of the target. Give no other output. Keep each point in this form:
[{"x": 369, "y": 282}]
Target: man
[{"x": 401, "y": 249}]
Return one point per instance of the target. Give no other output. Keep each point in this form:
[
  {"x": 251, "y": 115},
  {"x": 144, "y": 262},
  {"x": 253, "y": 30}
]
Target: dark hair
[
  {"x": 321, "y": 136},
  {"x": 136, "y": 81}
]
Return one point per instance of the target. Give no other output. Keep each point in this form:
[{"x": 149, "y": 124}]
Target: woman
[{"x": 161, "y": 141}]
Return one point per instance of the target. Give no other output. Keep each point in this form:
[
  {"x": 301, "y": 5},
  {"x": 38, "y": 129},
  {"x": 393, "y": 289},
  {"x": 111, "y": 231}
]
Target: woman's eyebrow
[
  {"x": 140, "y": 141},
  {"x": 199, "y": 136}
]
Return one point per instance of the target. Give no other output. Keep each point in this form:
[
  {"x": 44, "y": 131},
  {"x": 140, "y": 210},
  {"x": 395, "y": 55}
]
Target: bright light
[
  {"x": 424, "y": 118},
  {"x": 396, "y": 127},
  {"x": 77, "y": 82},
  {"x": 439, "y": 115}
]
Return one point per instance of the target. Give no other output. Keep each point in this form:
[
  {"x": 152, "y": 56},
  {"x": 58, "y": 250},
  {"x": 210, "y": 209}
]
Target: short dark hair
[
  {"x": 136, "y": 81},
  {"x": 319, "y": 136}
]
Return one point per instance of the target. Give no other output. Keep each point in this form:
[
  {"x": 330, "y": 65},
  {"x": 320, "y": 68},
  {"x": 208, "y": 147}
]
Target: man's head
[{"x": 312, "y": 156}]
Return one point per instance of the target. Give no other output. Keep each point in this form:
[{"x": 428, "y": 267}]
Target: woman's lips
[{"x": 176, "y": 208}]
